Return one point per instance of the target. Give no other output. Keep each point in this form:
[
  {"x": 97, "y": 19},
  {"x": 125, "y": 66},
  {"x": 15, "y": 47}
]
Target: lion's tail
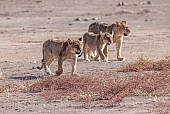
[{"x": 41, "y": 67}]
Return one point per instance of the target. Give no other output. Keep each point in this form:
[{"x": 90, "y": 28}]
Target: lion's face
[
  {"x": 123, "y": 28},
  {"x": 76, "y": 46},
  {"x": 107, "y": 37}
]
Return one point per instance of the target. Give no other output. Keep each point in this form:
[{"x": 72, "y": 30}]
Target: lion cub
[
  {"x": 94, "y": 44},
  {"x": 117, "y": 30},
  {"x": 60, "y": 50}
]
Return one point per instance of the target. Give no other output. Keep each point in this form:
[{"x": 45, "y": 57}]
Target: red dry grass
[
  {"x": 9, "y": 88},
  {"x": 147, "y": 65},
  {"x": 81, "y": 88},
  {"x": 101, "y": 88}
]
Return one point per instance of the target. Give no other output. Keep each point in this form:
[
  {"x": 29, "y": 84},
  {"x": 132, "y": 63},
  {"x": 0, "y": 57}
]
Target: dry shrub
[
  {"x": 147, "y": 65},
  {"x": 8, "y": 88},
  {"x": 102, "y": 88},
  {"x": 81, "y": 88},
  {"x": 18, "y": 87}
]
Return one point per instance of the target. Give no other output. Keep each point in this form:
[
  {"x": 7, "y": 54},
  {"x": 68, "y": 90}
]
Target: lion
[
  {"x": 95, "y": 43},
  {"x": 117, "y": 30},
  {"x": 56, "y": 49}
]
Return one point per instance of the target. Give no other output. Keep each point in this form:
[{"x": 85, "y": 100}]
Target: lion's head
[
  {"x": 72, "y": 46},
  {"x": 106, "y": 37},
  {"x": 122, "y": 28}
]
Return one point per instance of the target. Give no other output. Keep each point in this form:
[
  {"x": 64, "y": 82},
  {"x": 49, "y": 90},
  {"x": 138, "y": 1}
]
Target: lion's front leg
[
  {"x": 101, "y": 54},
  {"x": 119, "y": 49},
  {"x": 105, "y": 51},
  {"x": 74, "y": 65},
  {"x": 96, "y": 58},
  {"x": 60, "y": 66}
]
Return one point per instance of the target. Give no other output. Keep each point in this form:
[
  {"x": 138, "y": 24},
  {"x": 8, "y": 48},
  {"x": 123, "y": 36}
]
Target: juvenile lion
[
  {"x": 117, "y": 30},
  {"x": 60, "y": 50},
  {"x": 95, "y": 43}
]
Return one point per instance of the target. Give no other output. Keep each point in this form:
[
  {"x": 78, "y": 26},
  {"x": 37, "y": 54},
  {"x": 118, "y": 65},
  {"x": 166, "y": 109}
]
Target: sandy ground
[{"x": 26, "y": 24}]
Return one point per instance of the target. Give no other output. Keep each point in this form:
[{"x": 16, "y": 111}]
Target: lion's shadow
[{"x": 26, "y": 78}]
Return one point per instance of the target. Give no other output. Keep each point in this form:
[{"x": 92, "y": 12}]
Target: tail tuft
[{"x": 39, "y": 67}]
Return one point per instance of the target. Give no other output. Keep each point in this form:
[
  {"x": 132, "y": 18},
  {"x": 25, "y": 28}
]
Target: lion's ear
[
  {"x": 124, "y": 22},
  {"x": 64, "y": 46},
  {"x": 117, "y": 24},
  {"x": 68, "y": 41},
  {"x": 80, "y": 39}
]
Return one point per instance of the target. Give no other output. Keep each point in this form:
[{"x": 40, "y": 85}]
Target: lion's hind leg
[
  {"x": 60, "y": 66},
  {"x": 86, "y": 54},
  {"x": 101, "y": 53},
  {"x": 49, "y": 62},
  {"x": 93, "y": 54},
  {"x": 46, "y": 62}
]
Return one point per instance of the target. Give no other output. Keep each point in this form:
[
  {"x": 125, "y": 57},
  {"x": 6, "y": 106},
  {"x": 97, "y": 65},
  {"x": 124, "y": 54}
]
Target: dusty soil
[{"x": 26, "y": 24}]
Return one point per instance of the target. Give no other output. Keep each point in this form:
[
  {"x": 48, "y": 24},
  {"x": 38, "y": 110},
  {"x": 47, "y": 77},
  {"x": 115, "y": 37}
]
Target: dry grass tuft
[
  {"x": 104, "y": 90},
  {"x": 94, "y": 88},
  {"x": 147, "y": 65},
  {"x": 22, "y": 87},
  {"x": 8, "y": 88},
  {"x": 80, "y": 88}
]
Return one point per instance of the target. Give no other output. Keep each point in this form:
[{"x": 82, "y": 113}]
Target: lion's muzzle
[
  {"x": 108, "y": 43},
  {"x": 126, "y": 34},
  {"x": 78, "y": 52}
]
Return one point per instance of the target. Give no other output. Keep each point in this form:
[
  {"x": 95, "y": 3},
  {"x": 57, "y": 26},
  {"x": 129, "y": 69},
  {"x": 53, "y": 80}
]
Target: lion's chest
[{"x": 117, "y": 38}]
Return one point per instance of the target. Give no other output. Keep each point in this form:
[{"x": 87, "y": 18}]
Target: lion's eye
[{"x": 76, "y": 46}]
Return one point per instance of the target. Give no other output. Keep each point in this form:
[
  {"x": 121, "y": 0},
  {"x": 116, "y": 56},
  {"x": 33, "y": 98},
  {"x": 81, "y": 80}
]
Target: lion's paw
[
  {"x": 121, "y": 59},
  {"x": 87, "y": 60},
  {"x": 75, "y": 74},
  {"x": 58, "y": 73},
  {"x": 104, "y": 60}
]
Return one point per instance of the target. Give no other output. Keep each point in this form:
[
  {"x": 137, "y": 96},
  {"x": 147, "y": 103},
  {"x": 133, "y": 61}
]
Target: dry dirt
[{"x": 26, "y": 24}]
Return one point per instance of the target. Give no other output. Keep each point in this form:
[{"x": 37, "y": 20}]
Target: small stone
[
  {"x": 34, "y": 68},
  {"x": 149, "y": 2},
  {"x": 8, "y": 18},
  {"x": 95, "y": 18},
  {"x": 86, "y": 19},
  {"x": 121, "y": 4},
  {"x": 77, "y": 19},
  {"x": 38, "y": 1},
  {"x": 16, "y": 109}
]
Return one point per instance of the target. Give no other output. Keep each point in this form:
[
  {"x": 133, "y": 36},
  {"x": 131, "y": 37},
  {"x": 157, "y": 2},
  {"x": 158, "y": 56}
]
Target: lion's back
[
  {"x": 96, "y": 27},
  {"x": 52, "y": 46},
  {"x": 90, "y": 39}
]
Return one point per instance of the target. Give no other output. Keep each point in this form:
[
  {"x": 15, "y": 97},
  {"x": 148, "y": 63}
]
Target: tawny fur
[
  {"x": 94, "y": 44},
  {"x": 117, "y": 30},
  {"x": 55, "y": 49}
]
